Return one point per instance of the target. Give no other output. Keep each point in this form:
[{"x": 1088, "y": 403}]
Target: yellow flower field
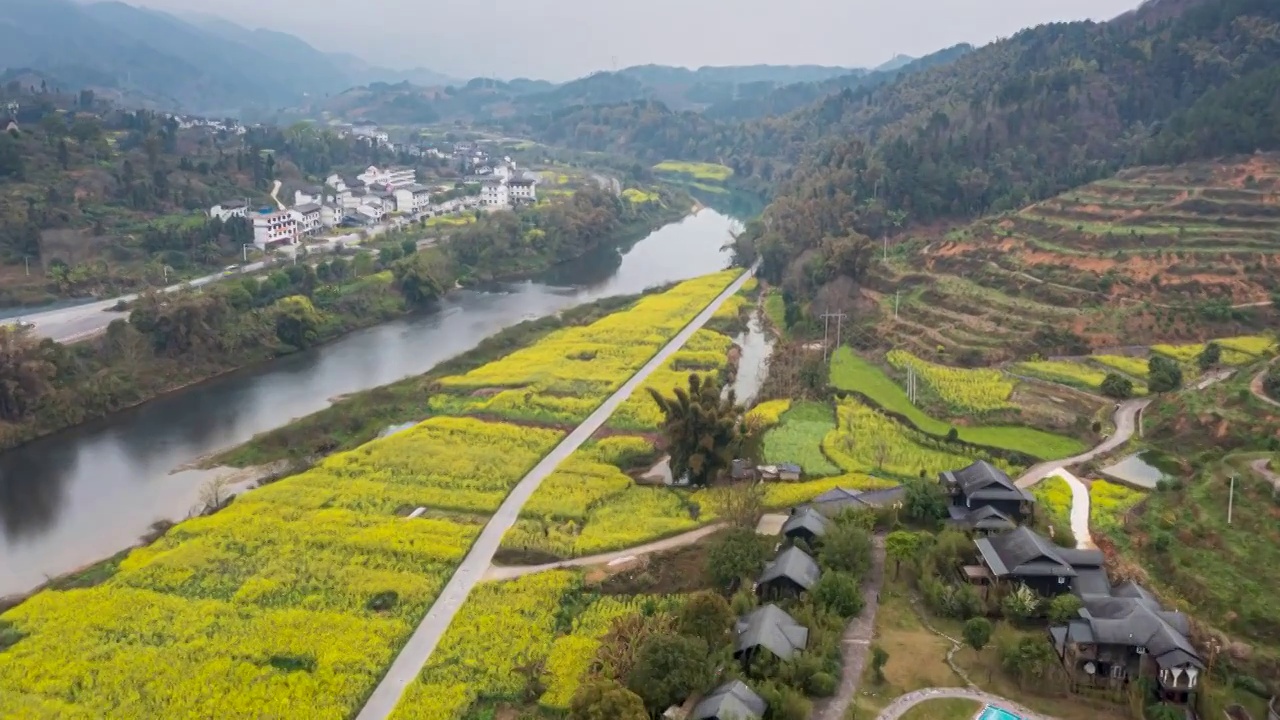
[
  {"x": 866, "y": 440},
  {"x": 965, "y": 390},
  {"x": 288, "y": 603},
  {"x": 1064, "y": 371},
  {"x": 706, "y": 353},
  {"x": 768, "y": 413},
  {"x": 566, "y": 375},
  {"x": 1132, "y": 366},
  {"x": 1240, "y": 350},
  {"x": 500, "y": 628}
]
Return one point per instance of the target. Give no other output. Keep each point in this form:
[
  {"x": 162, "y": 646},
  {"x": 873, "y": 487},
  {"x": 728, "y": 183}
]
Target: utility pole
[
  {"x": 27, "y": 262},
  {"x": 895, "y": 303},
  {"x": 1231, "y": 497},
  {"x": 826, "y": 326}
]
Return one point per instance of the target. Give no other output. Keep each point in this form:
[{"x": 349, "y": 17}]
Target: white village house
[
  {"x": 412, "y": 198},
  {"x": 227, "y": 210},
  {"x": 273, "y": 228},
  {"x": 393, "y": 177},
  {"x": 308, "y": 218}
]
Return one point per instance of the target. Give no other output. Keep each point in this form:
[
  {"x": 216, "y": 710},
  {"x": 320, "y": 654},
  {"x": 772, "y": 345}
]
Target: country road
[
  {"x": 1126, "y": 423},
  {"x": 471, "y": 570},
  {"x": 73, "y": 324}
]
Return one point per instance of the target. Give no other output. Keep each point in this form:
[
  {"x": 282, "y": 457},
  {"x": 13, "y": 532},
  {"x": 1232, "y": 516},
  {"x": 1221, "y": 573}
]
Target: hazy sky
[{"x": 562, "y": 39}]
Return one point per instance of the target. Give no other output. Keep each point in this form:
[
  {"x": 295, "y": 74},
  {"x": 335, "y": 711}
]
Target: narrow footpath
[
  {"x": 511, "y": 572},
  {"x": 422, "y": 643},
  {"x": 1255, "y": 386},
  {"x": 855, "y": 643}
]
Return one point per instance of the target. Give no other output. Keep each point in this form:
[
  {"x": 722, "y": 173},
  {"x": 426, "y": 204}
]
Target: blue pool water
[{"x": 992, "y": 712}]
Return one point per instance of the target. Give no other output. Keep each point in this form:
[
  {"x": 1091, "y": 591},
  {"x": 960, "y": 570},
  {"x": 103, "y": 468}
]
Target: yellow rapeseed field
[
  {"x": 963, "y": 389},
  {"x": 706, "y": 353},
  {"x": 566, "y": 375}
]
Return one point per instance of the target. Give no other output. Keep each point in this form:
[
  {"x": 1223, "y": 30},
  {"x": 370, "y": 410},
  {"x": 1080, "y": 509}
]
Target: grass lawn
[
  {"x": 917, "y": 661},
  {"x": 706, "y": 172},
  {"x": 852, "y": 372},
  {"x": 776, "y": 311},
  {"x": 944, "y": 709},
  {"x": 798, "y": 438}
]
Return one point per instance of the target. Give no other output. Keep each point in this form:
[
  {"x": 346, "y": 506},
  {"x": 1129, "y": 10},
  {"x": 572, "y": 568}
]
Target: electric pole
[
  {"x": 826, "y": 328},
  {"x": 1231, "y": 497}
]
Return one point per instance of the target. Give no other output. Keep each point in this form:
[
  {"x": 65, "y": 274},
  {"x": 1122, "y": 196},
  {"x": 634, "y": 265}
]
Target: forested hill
[{"x": 1022, "y": 119}]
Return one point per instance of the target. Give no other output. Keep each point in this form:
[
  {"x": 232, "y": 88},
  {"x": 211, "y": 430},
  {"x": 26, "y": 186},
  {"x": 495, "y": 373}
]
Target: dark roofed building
[
  {"x": 983, "y": 484},
  {"x": 1125, "y": 636},
  {"x": 731, "y": 701},
  {"x": 790, "y": 573},
  {"x": 985, "y": 519},
  {"x": 771, "y": 628},
  {"x": 805, "y": 524},
  {"x": 1022, "y": 556},
  {"x": 836, "y": 500}
]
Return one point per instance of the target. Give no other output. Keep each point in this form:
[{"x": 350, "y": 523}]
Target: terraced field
[{"x": 1163, "y": 254}]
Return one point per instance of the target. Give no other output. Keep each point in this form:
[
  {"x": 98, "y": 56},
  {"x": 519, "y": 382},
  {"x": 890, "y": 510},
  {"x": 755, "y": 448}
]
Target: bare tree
[
  {"x": 740, "y": 504},
  {"x": 214, "y": 495}
]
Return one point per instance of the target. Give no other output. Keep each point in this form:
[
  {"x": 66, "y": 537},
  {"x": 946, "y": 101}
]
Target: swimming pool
[{"x": 991, "y": 712}]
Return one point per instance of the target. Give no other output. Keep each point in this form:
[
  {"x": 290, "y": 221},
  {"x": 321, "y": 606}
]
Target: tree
[
  {"x": 737, "y": 554},
  {"x": 901, "y": 546},
  {"x": 739, "y": 504},
  {"x": 977, "y": 632},
  {"x": 1020, "y": 604},
  {"x": 879, "y": 656},
  {"x": 422, "y": 277},
  {"x": 706, "y": 615},
  {"x": 297, "y": 322},
  {"x": 703, "y": 429},
  {"x": 846, "y": 547},
  {"x": 606, "y": 700},
  {"x": 25, "y": 376},
  {"x": 1064, "y": 608},
  {"x": 924, "y": 501},
  {"x": 838, "y": 593},
  {"x": 1163, "y": 374},
  {"x": 1210, "y": 356},
  {"x": 670, "y": 668},
  {"x": 1117, "y": 386},
  {"x": 1027, "y": 658}
]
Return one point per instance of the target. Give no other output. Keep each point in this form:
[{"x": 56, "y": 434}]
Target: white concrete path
[
  {"x": 422, "y": 643},
  {"x": 1079, "y": 508},
  {"x": 1126, "y": 424},
  {"x": 899, "y": 707}
]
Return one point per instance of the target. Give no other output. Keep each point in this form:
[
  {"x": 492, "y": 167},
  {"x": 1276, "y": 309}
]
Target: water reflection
[{"x": 81, "y": 495}]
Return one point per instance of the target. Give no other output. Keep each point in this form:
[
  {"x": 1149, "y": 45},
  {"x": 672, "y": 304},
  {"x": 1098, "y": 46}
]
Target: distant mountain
[
  {"x": 896, "y": 62},
  {"x": 198, "y": 64}
]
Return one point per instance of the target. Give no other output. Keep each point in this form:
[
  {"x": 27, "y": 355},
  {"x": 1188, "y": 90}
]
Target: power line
[{"x": 826, "y": 329}]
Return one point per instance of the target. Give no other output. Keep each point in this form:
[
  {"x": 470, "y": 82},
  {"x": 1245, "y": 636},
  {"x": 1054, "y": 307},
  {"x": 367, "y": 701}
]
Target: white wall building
[
  {"x": 493, "y": 193},
  {"x": 393, "y": 177},
  {"x": 308, "y": 195},
  {"x": 308, "y": 218},
  {"x": 412, "y": 199},
  {"x": 274, "y": 228},
  {"x": 227, "y": 210},
  {"x": 331, "y": 216},
  {"x": 523, "y": 189}
]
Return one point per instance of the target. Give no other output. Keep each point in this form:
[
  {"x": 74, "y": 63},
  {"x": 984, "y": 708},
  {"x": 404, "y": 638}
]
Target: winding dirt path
[
  {"x": 899, "y": 707},
  {"x": 1126, "y": 424},
  {"x": 510, "y": 572},
  {"x": 1255, "y": 385}
]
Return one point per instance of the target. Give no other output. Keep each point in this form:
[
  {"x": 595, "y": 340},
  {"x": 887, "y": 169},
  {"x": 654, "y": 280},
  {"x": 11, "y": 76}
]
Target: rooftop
[
  {"x": 806, "y": 519},
  {"x": 984, "y": 481},
  {"x": 795, "y": 565},
  {"x": 771, "y": 628},
  {"x": 731, "y": 701},
  {"x": 307, "y": 208}
]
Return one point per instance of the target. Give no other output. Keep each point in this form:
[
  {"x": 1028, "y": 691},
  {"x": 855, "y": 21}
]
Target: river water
[{"x": 79, "y": 496}]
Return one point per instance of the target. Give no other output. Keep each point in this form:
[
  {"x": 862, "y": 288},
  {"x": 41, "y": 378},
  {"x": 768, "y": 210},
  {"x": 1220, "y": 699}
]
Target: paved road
[
  {"x": 1255, "y": 385},
  {"x": 424, "y": 640},
  {"x": 855, "y": 643},
  {"x": 1125, "y": 427},
  {"x": 72, "y": 324},
  {"x": 510, "y": 572},
  {"x": 1079, "y": 509},
  {"x": 899, "y": 707},
  {"x": 1260, "y": 466}
]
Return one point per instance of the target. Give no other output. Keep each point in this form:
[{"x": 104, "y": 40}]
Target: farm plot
[
  {"x": 1064, "y": 371},
  {"x": 702, "y": 172},
  {"x": 565, "y": 376},
  {"x": 590, "y": 506},
  {"x": 963, "y": 390},
  {"x": 866, "y": 440},
  {"x": 706, "y": 353},
  {"x": 505, "y": 630},
  {"x": 1135, "y": 367},
  {"x": 798, "y": 438},
  {"x": 854, "y": 373},
  {"x": 288, "y": 603}
]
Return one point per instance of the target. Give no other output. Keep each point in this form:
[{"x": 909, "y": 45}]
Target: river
[{"x": 82, "y": 495}]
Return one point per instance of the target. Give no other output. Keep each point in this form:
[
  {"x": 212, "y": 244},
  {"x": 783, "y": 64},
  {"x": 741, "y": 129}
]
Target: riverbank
[{"x": 118, "y": 371}]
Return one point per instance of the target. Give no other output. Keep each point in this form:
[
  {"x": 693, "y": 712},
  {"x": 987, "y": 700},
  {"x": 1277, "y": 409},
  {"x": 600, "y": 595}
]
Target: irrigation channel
[{"x": 79, "y": 496}]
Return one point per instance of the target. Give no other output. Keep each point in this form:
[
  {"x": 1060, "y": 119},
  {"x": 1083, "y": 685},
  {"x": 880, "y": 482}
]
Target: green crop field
[
  {"x": 798, "y": 438},
  {"x": 851, "y": 372}
]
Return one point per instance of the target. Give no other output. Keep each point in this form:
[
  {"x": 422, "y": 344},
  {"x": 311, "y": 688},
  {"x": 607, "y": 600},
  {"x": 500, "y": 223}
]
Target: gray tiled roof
[
  {"x": 984, "y": 481},
  {"x": 773, "y": 629},
  {"x": 1023, "y": 552},
  {"x": 308, "y": 208},
  {"x": 1134, "y": 622},
  {"x": 982, "y": 518},
  {"x": 795, "y": 565},
  {"x": 806, "y": 519},
  {"x": 831, "y": 502},
  {"x": 731, "y": 701}
]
